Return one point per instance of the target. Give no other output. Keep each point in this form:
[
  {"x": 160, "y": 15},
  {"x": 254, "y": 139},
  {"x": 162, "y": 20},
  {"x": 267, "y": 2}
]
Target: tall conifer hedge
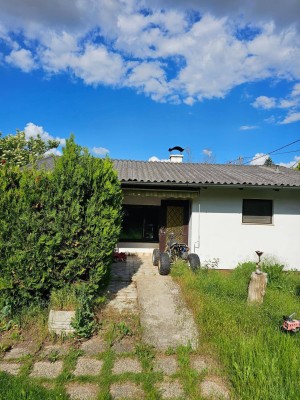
[{"x": 57, "y": 227}]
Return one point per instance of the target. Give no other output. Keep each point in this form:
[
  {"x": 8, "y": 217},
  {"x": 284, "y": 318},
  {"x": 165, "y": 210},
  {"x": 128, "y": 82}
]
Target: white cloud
[
  {"x": 55, "y": 152},
  {"x": 292, "y": 117},
  {"x": 207, "y": 152},
  {"x": 100, "y": 151},
  {"x": 291, "y": 164},
  {"x": 154, "y": 158},
  {"x": 264, "y": 102},
  {"x": 155, "y": 48},
  {"x": 22, "y": 59},
  {"x": 259, "y": 159},
  {"x": 32, "y": 130},
  {"x": 296, "y": 90},
  {"x": 149, "y": 77},
  {"x": 248, "y": 127},
  {"x": 291, "y": 103}
]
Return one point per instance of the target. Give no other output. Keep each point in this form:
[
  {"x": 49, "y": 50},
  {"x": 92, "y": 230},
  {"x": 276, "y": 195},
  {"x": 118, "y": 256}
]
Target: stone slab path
[{"x": 136, "y": 288}]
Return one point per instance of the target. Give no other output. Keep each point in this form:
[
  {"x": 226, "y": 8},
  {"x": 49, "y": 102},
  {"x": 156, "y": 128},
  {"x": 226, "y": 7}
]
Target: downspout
[{"x": 197, "y": 243}]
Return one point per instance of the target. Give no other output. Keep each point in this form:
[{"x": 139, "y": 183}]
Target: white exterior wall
[{"x": 218, "y": 231}]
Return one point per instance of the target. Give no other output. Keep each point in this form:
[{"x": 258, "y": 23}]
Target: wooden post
[{"x": 257, "y": 287}]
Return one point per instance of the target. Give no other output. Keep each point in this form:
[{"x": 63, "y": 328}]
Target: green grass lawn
[
  {"x": 260, "y": 361},
  {"x": 19, "y": 388}
]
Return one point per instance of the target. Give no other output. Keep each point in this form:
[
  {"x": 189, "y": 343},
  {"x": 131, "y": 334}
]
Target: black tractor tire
[
  {"x": 155, "y": 257},
  {"x": 164, "y": 264},
  {"x": 193, "y": 261}
]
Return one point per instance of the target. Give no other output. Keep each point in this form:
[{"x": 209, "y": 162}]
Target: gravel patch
[
  {"x": 81, "y": 391},
  {"x": 168, "y": 365},
  {"x": 127, "y": 364},
  {"x": 214, "y": 389},
  {"x": 200, "y": 364},
  {"x": 17, "y": 352},
  {"x": 10, "y": 368},
  {"x": 88, "y": 366},
  {"x": 127, "y": 390},
  {"x": 171, "y": 390},
  {"x": 46, "y": 369}
]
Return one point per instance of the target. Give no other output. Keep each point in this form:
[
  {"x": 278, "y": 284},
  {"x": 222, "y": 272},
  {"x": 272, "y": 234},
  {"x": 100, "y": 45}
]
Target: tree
[
  {"x": 17, "y": 150},
  {"x": 268, "y": 162}
]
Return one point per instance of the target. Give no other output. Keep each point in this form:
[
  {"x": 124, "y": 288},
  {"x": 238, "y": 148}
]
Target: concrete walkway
[{"x": 166, "y": 321}]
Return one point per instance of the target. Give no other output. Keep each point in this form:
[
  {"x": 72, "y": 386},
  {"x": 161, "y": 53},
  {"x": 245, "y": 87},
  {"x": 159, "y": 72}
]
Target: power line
[
  {"x": 271, "y": 152},
  {"x": 297, "y": 162}
]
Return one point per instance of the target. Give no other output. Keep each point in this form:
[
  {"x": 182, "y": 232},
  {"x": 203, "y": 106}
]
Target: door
[{"x": 175, "y": 219}]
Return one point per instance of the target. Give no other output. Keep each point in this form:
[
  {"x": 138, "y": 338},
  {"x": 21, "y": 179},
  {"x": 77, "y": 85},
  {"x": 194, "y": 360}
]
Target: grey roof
[{"x": 153, "y": 172}]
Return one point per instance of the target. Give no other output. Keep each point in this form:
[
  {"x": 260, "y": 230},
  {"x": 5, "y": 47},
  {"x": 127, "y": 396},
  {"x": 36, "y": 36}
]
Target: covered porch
[{"x": 151, "y": 214}]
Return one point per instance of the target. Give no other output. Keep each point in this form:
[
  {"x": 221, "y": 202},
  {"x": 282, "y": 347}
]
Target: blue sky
[{"x": 132, "y": 78}]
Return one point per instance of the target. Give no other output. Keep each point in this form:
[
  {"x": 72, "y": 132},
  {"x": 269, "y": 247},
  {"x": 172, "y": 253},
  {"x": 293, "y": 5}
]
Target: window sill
[{"x": 257, "y": 223}]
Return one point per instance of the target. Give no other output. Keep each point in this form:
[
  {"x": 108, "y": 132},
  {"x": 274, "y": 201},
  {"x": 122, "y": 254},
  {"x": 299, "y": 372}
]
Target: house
[{"x": 224, "y": 212}]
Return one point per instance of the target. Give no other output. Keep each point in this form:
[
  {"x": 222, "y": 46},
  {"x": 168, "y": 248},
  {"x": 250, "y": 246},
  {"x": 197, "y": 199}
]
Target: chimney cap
[{"x": 176, "y": 148}]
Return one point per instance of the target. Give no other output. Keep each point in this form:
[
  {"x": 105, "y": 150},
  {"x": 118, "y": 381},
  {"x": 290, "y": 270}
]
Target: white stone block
[{"x": 60, "y": 321}]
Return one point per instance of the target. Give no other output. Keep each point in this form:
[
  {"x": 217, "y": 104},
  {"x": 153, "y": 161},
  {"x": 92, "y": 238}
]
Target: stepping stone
[
  {"x": 10, "y": 368},
  {"x": 199, "y": 363},
  {"x": 94, "y": 346},
  {"x": 126, "y": 390},
  {"x": 127, "y": 364},
  {"x": 168, "y": 365},
  {"x": 82, "y": 391},
  {"x": 46, "y": 369},
  {"x": 54, "y": 348},
  {"x": 88, "y": 366},
  {"x": 171, "y": 390},
  {"x": 214, "y": 389},
  {"x": 16, "y": 352},
  {"x": 125, "y": 345}
]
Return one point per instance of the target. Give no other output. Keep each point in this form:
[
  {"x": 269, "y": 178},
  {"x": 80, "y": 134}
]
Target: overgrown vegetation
[
  {"x": 260, "y": 361},
  {"x": 20, "y": 388},
  {"x": 58, "y": 228}
]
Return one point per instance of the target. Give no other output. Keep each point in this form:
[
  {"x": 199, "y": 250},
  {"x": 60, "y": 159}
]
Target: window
[
  {"x": 257, "y": 211},
  {"x": 140, "y": 223}
]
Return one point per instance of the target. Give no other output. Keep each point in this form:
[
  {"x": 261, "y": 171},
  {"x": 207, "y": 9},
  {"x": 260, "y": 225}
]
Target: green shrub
[{"x": 58, "y": 227}]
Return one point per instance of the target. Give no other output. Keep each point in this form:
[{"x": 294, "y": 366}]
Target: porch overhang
[{"x": 161, "y": 193}]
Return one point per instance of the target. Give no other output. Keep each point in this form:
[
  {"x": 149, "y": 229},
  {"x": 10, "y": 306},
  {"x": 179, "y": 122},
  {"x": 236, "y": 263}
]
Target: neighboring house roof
[
  {"x": 155, "y": 172},
  {"x": 205, "y": 174}
]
